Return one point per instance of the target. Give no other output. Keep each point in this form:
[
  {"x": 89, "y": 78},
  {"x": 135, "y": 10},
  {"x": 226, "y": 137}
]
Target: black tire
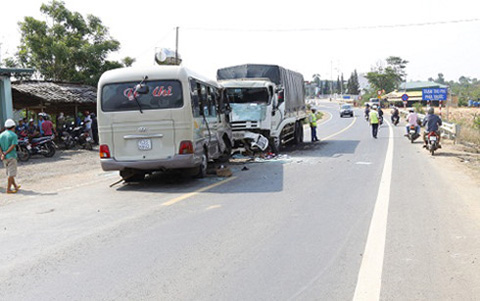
[
  {"x": 298, "y": 138},
  {"x": 275, "y": 145},
  {"x": 50, "y": 150},
  {"x": 301, "y": 133},
  {"x": 23, "y": 154},
  {"x": 432, "y": 151},
  {"x": 412, "y": 139},
  {"x": 202, "y": 169},
  {"x": 227, "y": 152},
  {"x": 69, "y": 143},
  {"x": 88, "y": 146}
]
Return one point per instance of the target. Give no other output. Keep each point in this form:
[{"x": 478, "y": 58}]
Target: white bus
[{"x": 161, "y": 118}]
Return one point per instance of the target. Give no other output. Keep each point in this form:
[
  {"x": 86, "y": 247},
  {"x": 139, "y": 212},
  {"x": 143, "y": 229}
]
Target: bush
[
  {"x": 476, "y": 122},
  {"x": 462, "y": 102}
]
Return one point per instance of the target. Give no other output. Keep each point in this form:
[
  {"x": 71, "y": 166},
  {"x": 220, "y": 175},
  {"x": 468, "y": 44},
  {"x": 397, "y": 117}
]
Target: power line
[{"x": 368, "y": 27}]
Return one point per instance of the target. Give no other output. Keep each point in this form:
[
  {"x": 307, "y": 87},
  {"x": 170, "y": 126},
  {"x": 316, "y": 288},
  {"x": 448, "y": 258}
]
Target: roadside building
[
  {"x": 53, "y": 97},
  {"x": 414, "y": 92}
]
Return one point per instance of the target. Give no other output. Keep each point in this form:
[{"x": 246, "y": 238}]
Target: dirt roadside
[{"x": 43, "y": 176}]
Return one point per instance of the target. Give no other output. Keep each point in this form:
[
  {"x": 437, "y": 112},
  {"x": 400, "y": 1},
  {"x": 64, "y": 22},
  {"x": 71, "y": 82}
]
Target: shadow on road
[
  {"x": 252, "y": 177},
  {"x": 261, "y": 176},
  {"x": 328, "y": 148},
  {"x": 28, "y": 193}
]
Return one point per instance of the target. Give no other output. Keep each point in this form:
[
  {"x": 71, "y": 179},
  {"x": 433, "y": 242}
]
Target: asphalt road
[{"x": 349, "y": 217}]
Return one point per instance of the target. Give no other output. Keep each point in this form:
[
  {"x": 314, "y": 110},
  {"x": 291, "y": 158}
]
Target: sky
[{"x": 311, "y": 37}]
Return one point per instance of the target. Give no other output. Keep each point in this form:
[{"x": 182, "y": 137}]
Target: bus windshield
[
  {"x": 248, "y": 95},
  {"x": 160, "y": 95}
]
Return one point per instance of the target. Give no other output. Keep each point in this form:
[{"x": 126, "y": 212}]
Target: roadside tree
[
  {"x": 388, "y": 77},
  {"x": 66, "y": 46}
]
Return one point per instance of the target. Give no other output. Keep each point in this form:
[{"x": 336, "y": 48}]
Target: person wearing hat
[
  {"x": 32, "y": 131},
  {"x": 412, "y": 119},
  {"x": 374, "y": 120},
  {"x": 8, "y": 143},
  {"x": 432, "y": 123},
  {"x": 41, "y": 120}
]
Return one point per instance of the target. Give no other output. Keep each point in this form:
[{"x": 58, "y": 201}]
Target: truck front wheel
[
  {"x": 275, "y": 145},
  {"x": 298, "y": 133}
]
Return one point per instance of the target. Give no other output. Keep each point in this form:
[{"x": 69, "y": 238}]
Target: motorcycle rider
[
  {"x": 367, "y": 111},
  {"x": 21, "y": 129},
  {"x": 32, "y": 131},
  {"x": 380, "y": 115},
  {"x": 433, "y": 122},
  {"x": 395, "y": 115},
  {"x": 412, "y": 119}
]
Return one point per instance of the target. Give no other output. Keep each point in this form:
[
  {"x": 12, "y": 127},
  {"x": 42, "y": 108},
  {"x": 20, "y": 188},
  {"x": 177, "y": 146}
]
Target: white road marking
[
  {"x": 370, "y": 275},
  {"x": 341, "y": 131},
  {"x": 363, "y": 163},
  {"x": 214, "y": 207}
]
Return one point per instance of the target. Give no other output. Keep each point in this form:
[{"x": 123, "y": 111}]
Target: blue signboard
[
  {"x": 430, "y": 94},
  {"x": 346, "y": 96}
]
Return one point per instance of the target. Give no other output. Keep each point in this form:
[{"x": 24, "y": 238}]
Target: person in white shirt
[
  {"x": 87, "y": 123},
  {"x": 412, "y": 119}
]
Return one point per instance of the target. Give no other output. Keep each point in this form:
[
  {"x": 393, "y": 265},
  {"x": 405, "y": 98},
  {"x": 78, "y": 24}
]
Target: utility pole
[{"x": 176, "y": 46}]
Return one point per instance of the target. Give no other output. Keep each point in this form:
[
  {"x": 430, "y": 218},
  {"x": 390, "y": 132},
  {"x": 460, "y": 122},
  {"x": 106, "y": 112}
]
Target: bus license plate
[{"x": 145, "y": 144}]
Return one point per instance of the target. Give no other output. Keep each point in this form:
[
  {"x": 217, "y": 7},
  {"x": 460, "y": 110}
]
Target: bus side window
[
  {"x": 204, "y": 100},
  {"x": 195, "y": 98}
]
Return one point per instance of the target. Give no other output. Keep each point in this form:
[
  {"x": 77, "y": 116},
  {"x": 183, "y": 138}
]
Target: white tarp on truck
[{"x": 291, "y": 81}]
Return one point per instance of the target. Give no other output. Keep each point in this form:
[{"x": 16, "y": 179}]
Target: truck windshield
[
  {"x": 160, "y": 95},
  {"x": 248, "y": 95}
]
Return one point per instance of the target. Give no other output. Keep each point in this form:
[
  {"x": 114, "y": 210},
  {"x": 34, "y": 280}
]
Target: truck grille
[{"x": 240, "y": 125}]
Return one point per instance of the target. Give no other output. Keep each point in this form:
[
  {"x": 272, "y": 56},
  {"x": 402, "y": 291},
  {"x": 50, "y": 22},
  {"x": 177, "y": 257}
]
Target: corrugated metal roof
[
  {"x": 419, "y": 85},
  {"x": 57, "y": 92}
]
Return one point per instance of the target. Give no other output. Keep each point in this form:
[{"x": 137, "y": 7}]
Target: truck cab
[{"x": 268, "y": 105}]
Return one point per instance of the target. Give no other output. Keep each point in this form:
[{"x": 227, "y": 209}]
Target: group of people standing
[{"x": 45, "y": 127}]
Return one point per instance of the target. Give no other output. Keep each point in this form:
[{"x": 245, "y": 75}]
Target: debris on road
[{"x": 224, "y": 172}]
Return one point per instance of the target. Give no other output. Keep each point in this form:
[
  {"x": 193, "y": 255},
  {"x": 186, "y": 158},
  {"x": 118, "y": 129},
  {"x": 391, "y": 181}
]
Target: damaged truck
[{"x": 267, "y": 103}]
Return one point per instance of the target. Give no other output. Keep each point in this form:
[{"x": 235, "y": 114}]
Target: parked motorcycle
[
  {"x": 412, "y": 133},
  {"x": 65, "y": 136},
  {"x": 42, "y": 146},
  {"x": 432, "y": 142},
  {"x": 80, "y": 137}
]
